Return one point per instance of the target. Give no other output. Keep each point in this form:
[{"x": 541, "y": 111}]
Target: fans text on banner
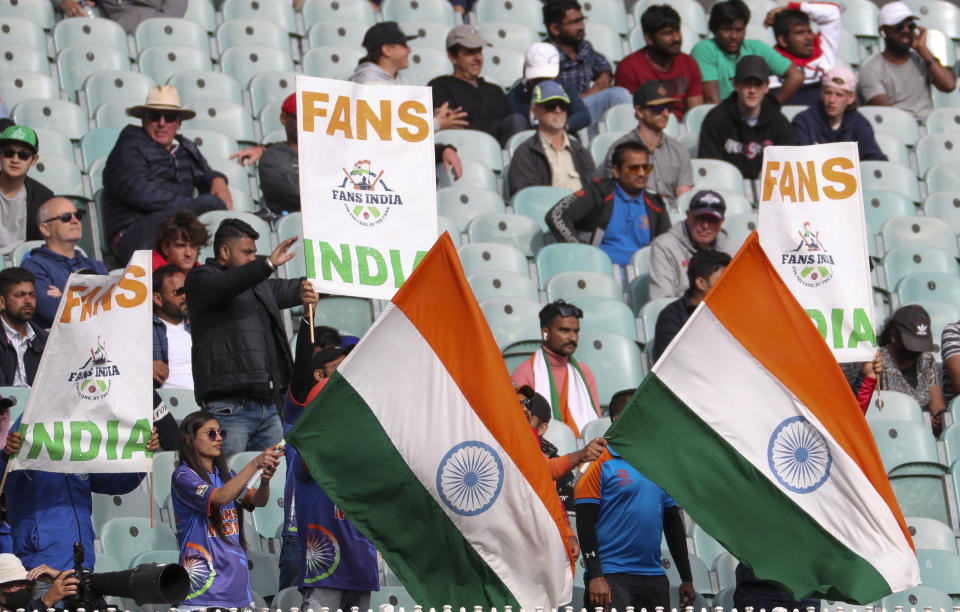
[
  {"x": 367, "y": 184},
  {"x": 91, "y": 407}
]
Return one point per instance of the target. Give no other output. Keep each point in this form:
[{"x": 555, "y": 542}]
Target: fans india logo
[
  {"x": 365, "y": 195},
  {"x": 92, "y": 379},
  {"x": 812, "y": 265}
]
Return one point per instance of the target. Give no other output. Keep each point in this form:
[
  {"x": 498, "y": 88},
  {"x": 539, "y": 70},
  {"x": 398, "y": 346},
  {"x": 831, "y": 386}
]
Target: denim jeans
[
  {"x": 598, "y": 103},
  {"x": 290, "y": 561},
  {"x": 250, "y": 424}
]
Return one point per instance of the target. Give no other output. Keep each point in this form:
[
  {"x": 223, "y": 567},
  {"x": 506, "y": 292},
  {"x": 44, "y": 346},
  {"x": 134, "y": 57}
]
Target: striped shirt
[{"x": 949, "y": 346}]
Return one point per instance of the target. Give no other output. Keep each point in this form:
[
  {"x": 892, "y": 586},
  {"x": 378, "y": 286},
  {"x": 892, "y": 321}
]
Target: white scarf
[{"x": 579, "y": 402}]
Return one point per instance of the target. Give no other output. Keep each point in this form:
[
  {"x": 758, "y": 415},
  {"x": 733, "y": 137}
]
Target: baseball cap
[
  {"x": 548, "y": 90},
  {"x": 840, "y": 77},
  {"x": 652, "y": 93},
  {"x": 385, "y": 33},
  {"x": 751, "y": 67},
  {"x": 893, "y": 13},
  {"x": 21, "y": 134},
  {"x": 913, "y": 323},
  {"x": 707, "y": 202},
  {"x": 325, "y": 356},
  {"x": 289, "y": 105},
  {"x": 542, "y": 61},
  {"x": 467, "y": 36},
  {"x": 11, "y": 569}
]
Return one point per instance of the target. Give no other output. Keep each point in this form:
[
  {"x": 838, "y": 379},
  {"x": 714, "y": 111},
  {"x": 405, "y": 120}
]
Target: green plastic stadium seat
[
  {"x": 944, "y": 205},
  {"x": 849, "y": 51},
  {"x": 110, "y": 86},
  {"x": 610, "y": 13},
  {"x": 54, "y": 143},
  {"x": 269, "y": 519},
  {"x": 475, "y": 174},
  {"x": 716, "y": 174},
  {"x": 648, "y": 318},
  {"x": 705, "y": 546},
  {"x": 288, "y": 226},
  {"x": 474, "y": 144},
  {"x": 560, "y": 434},
  {"x": 160, "y": 62},
  {"x": 606, "y": 40},
  {"x": 639, "y": 291},
  {"x": 40, "y": 13},
  {"x": 124, "y": 538},
  {"x": 617, "y": 362},
  {"x": 333, "y": 33},
  {"x": 319, "y": 11},
  {"x": 62, "y": 176},
  {"x": 133, "y": 504},
  {"x": 270, "y": 86},
  {"x": 918, "y": 232},
  {"x": 224, "y": 116},
  {"x": 906, "y": 447},
  {"x": 605, "y": 315},
  {"x": 567, "y": 257},
  {"x": 941, "y": 570},
  {"x": 16, "y": 31},
  {"x": 923, "y": 286},
  {"x": 878, "y": 206},
  {"x": 171, "y": 31},
  {"x": 510, "y": 11},
  {"x": 96, "y": 143},
  {"x": 430, "y": 35},
  {"x": 156, "y": 556},
  {"x": 505, "y": 35},
  {"x": 200, "y": 85},
  {"x": 445, "y": 224},
  {"x": 725, "y": 566},
  {"x": 895, "y": 149},
  {"x": 180, "y": 402},
  {"x": 77, "y": 62},
  {"x": 937, "y": 148},
  {"x": 18, "y": 254},
  {"x": 534, "y": 202},
  {"x": 93, "y": 31},
  {"x": 113, "y": 114},
  {"x": 349, "y": 315},
  {"x": 244, "y": 63},
  {"x": 943, "y": 177},
  {"x": 945, "y": 15},
  {"x": 276, "y": 12},
  {"x": 95, "y": 172},
  {"x": 501, "y": 283},
  {"x": 640, "y": 261},
  {"x": 921, "y": 495},
  {"x": 896, "y": 406},
  {"x": 395, "y": 596},
  {"x": 601, "y": 144},
  {"x": 437, "y": 11},
  {"x": 237, "y": 177},
  {"x": 287, "y": 598},
  {"x": 693, "y": 118},
  {"x": 571, "y": 286},
  {"x": 888, "y": 176},
  {"x": 202, "y": 13},
  {"x": 918, "y": 597},
  {"x": 270, "y": 118},
  {"x": 516, "y": 140},
  {"x": 505, "y": 228},
  {"x": 929, "y": 534},
  {"x": 211, "y": 143},
  {"x": 892, "y": 121},
  {"x": 463, "y": 204},
  {"x": 503, "y": 66},
  {"x": 480, "y": 256},
  {"x": 251, "y": 32},
  {"x": 164, "y": 463},
  {"x": 950, "y": 438},
  {"x": 512, "y": 320},
  {"x": 860, "y": 19},
  {"x": 595, "y": 429},
  {"x": 19, "y": 86},
  {"x": 426, "y": 64},
  {"x": 944, "y": 120},
  {"x": 331, "y": 62},
  {"x": 264, "y": 570},
  {"x": 735, "y": 201},
  {"x": 22, "y": 58}
]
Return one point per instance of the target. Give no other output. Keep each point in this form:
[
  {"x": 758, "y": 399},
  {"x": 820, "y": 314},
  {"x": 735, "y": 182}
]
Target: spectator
[
  {"x": 20, "y": 195},
  {"x": 863, "y": 379},
  {"x": 588, "y": 72},
  {"x": 636, "y": 217},
  {"x": 567, "y": 384},
  {"x": 486, "y": 106},
  {"x": 152, "y": 172},
  {"x": 52, "y": 510},
  {"x": 672, "y": 174},
  {"x": 208, "y": 503},
  {"x": 621, "y": 519},
  {"x": 835, "y": 118},
  {"x": 128, "y": 13},
  {"x": 661, "y": 60},
  {"x": 738, "y": 129},
  {"x": 22, "y": 341},
  {"x": 542, "y": 63},
  {"x": 241, "y": 359},
  {"x": 906, "y": 350},
  {"x": 54, "y": 261},
  {"x": 718, "y": 56},
  {"x": 950, "y": 355},
  {"x": 172, "y": 343},
  {"x": 670, "y": 253},
  {"x": 764, "y": 594},
  {"x": 178, "y": 241},
  {"x": 813, "y": 54},
  {"x": 17, "y": 585},
  {"x": 901, "y": 75},
  {"x": 550, "y": 157},
  {"x": 703, "y": 273}
]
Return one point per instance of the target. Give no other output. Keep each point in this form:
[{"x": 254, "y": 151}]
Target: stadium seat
[
  {"x": 943, "y": 177},
  {"x": 945, "y": 15},
  {"x": 640, "y": 261},
  {"x": 534, "y": 202},
  {"x": 54, "y": 143},
  {"x": 739, "y": 227},
  {"x": 735, "y": 201},
  {"x": 849, "y": 50},
  {"x": 623, "y": 118},
  {"x": 436, "y": 11},
  {"x": 319, "y": 11},
  {"x": 20, "y": 252},
  {"x": 480, "y": 256},
  {"x": 113, "y": 114},
  {"x": 725, "y": 566},
  {"x": 269, "y": 519},
  {"x": 892, "y": 121},
  {"x": 350, "y": 315},
  {"x": 270, "y": 86},
  {"x": 276, "y": 12},
  {"x": 510, "y": 11},
  {"x": 716, "y": 174},
  {"x": 918, "y": 232},
  {"x": 19, "y": 86},
  {"x": 878, "y": 206},
  {"x": 288, "y": 226},
  {"x": 941, "y": 570},
  {"x": 427, "y": 64},
  {"x": 561, "y": 436},
  {"x": 40, "y": 13},
  {"x": 106, "y": 563},
  {"x": 604, "y": 315},
  {"x": 474, "y": 174},
  {"x": 430, "y": 35},
  {"x": 264, "y": 567},
  {"x": 445, "y": 224},
  {"x": 95, "y": 144},
  {"x": 160, "y": 62},
  {"x": 566, "y": 257},
  {"x": 224, "y": 116},
  {"x": 171, "y": 31},
  {"x": 22, "y": 58},
  {"x": 243, "y": 63},
  {"x": 937, "y": 148},
  {"x": 463, "y": 204},
  {"x": 601, "y": 143},
  {"x": 93, "y": 31},
  {"x": 473, "y": 144},
  {"x": 62, "y": 176},
  {"x": 595, "y": 429},
  {"x": 133, "y": 504},
  {"x": 16, "y": 31},
  {"x": 693, "y": 118},
  {"x": 860, "y": 19},
  {"x": 943, "y": 120},
  {"x": 211, "y": 143},
  {"x": 287, "y": 598},
  {"x": 95, "y": 172},
  {"x": 124, "y": 538},
  {"x": 237, "y": 177},
  {"x": 639, "y": 292},
  {"x": 648, "y": 314},
  {"x": 507, "y": 228},
  {"x": 332, "y": 33},
  {"x": 610, "y": 13},
  {"x": 516, "y": 140},
  {"x": 906, "y": 447},
  {"x": 894, "y": 148},
  {"x": 501, "y": 283},
  {"x": 705, "y": 547},
  {"x": 950, "y": 437},
  {"x": 180, "y": 402},
  {"x": 617, "y": 362},
  {"x": 571, "y": 286},
  {"x": 202, "y": 13},
  {"x": 505, "y": 35},
  {"x": 918, "y": 597},
  {"x": 929, "y": 534},
  {"x": 156, "y": 556},
  {"x": 331, "y": 62},
  {"x": 270, "y": 118},
  {"x": 200, "y": 85},
  {"x": 251, "y": 32},
  {"x": 896, "y": 406},
  {"x": 396, "y": 596},
  {"x": 605, "y": 39},
  {"x": 923, "y": 286},
  {"x": 77, "y": 62},
  {"x": 921, "y": 495},
  {"x": 109, "y": 86},
  {"x": 164, "y": 463},
  {"x": 512, "y": 320},
  {"x": 944, "y": 205}
]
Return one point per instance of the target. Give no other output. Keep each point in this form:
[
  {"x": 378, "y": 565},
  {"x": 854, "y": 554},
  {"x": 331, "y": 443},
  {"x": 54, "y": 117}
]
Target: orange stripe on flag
[
  {"x": 758, "y": 309},
  {"x": 438, "y": 299}
]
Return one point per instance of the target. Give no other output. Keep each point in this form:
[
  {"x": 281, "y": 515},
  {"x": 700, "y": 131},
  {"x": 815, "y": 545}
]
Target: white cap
[
  {"x": 893, "y": 13},
  {"x": 541, "y": 62},
  {"x": 11, "y": 569}
]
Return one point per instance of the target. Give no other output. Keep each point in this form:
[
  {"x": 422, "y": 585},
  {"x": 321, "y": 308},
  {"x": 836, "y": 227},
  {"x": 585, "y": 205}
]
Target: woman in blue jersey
[{"x": 208, "y": 502}]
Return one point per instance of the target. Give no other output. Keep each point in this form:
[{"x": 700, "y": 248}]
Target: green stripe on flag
[
  {"x": 736, "y": 503},
  {"x": 351, "y": 457}
]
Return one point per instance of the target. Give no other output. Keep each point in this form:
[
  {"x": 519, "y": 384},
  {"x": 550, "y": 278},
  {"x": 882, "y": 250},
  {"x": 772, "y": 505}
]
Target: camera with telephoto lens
[{"x": 145, "y": 584}]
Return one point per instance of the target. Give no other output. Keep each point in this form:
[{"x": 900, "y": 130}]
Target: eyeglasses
[
  {"x": 168, "y": 116},
  {"x": 179, "y": 291},
  {"x": 65, "y": 217},
  {"x": 647, "y": 169},
  {"x": 213, "y": 434},
  {"x": 21, "y": 153},
  {"x": 659, "y": 108},
  {"x": 555, "y": 105}
]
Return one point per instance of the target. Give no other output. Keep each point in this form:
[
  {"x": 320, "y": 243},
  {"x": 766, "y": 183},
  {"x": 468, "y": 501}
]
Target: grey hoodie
[
  {"x": 670, "y": 256},
  {"x": 368, "y": 72}
]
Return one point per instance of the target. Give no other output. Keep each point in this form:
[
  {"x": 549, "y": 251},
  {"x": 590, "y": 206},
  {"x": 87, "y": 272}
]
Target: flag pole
[
  {"x": 313, "y": 340},
  {"x": 151, "y": 497}
]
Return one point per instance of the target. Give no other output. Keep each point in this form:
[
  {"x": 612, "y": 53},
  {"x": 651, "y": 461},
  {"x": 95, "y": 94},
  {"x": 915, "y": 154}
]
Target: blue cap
[{"x": 548, "y": 90}]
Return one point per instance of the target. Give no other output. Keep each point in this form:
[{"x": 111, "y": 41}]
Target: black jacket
[
  {"x": 725, "y": 135},
  {"x": 141, "y": 177},
  {"x": 529, "y": 165},
  {"x": 226, "y": 307},
  {"x": 813, "y": 127},
  {"x": 485, "y": 103},
  {"x": 583, "y": 216},
  {"x": 37, "y": 194},
  {"x": 31, "y": 358}
]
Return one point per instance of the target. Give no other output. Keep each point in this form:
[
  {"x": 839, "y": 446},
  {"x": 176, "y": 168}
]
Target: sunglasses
[
  {"x": 659, "y": 108},
  {"x": 213, "y": 434},
  {"x": 569, "y": 310},
  {"x": 168, "y": 116},
  {"x": 554, "y": 105},
  {"x": 22, "y": 154},
  {"x": 647, "y": 169},
  {"x": 65, "y": 217},
  {"x": 179, "y": 291},
  {"x": 906, "y": 24}
]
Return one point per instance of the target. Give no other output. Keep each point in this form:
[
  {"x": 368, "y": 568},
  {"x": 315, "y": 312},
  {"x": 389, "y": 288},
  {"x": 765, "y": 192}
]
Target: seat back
[
  {"x": 196, "y": 86},
  {"x": 519, "y": 231},
  {"x": 478, "y": 256},
  {"x": 564, "y": 257}
]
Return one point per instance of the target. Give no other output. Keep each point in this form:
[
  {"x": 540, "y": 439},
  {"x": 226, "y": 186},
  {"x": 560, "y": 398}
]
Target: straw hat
[{"x": 161, "y": 98}]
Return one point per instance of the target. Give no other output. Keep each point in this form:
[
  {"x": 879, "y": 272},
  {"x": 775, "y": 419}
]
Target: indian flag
[
  {"x": 748, "y": 422},
  {"x": 420, "y": 440}
]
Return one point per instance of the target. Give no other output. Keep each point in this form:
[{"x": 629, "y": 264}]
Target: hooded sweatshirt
[
  {"x": 813, "y": 127},
  {"x": 670, "y": 257},
  {"x": 369, "y": 72},
  {"x": 54, "y": 269}
]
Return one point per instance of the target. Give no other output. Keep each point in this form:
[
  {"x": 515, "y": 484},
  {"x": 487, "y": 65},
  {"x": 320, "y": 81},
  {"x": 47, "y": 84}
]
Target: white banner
[
  {"x": 812, "y": 227},
  {"x": 91, "y": 406},
  {"x": 367, "y": 184}
]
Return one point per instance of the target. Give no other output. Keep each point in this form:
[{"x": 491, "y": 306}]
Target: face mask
[{"x": 18, "y": 599}]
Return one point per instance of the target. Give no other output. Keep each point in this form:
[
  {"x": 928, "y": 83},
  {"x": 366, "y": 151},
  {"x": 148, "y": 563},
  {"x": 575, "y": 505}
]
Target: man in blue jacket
[
  {"x": 152, "y": 172},
  {"x": 54, "y": 261}
]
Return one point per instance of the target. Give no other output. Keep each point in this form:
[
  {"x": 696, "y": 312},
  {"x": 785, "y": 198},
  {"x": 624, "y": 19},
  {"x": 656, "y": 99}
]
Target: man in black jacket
[
  {"x": 738, "y": 129},
  {"x": 152, "y": 172},
  {"x": 241, "y": 359},
  {"x": 22, "y": 342},
  {"x": 618, "y": 215}
]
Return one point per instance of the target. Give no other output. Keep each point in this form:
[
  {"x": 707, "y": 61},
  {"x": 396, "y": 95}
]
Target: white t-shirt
[{"x": 179, "y": 344}]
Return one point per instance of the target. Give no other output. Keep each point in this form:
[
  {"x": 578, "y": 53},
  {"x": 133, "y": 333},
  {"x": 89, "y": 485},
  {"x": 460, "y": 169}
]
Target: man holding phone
[{"x": 902, "y": 74}]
